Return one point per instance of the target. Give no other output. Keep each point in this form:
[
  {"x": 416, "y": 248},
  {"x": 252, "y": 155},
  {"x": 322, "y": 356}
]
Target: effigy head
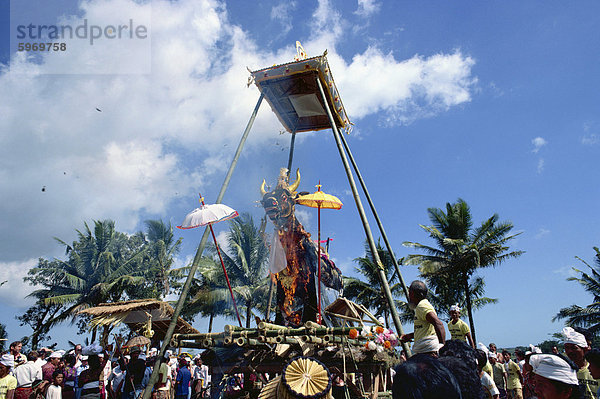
[{"x": 279, "y": 203}]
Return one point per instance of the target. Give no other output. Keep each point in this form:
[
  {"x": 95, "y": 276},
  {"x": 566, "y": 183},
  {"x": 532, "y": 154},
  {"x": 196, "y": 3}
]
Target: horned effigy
[{"x": 297, "y": 283}]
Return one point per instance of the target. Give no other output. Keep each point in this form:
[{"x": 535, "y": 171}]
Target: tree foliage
[
  {"x": 102, "y": 265},
  {"x": 459, "y": 252},
  {"x": 368, "y": 290},
  {"x": 587, "y": 316},
  {"x": 3, "y": 337},
  {"x": 39, "y": 317},
  {"x": 245, "y": 256}
]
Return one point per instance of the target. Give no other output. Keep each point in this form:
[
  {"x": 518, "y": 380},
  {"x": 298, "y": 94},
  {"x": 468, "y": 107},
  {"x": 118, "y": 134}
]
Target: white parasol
[{"x": 209, "y": 215}]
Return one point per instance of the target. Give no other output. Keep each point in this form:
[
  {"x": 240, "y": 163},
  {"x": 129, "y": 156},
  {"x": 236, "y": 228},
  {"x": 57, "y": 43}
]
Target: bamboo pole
[
  {"x": 309, "y": 339},
  {"x": 188, "y": 282},
  {"x": 363, "y": 218},
  {"x": 263, "y": 325},
  {"x": 375, "y": 215},
  {"x": 286, "y": 339},
  {"x": 230, "y": 328}
]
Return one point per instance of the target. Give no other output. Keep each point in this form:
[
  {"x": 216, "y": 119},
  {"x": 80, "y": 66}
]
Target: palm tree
[
  {"x": 461, "y": 250},
  {"x": 245, "y": 256},
  {"x": 162, "y": 249},
  {"x": 246, "y": 259},
  {"x": 209, "y": 295},
  {"x": 443, "y": 295},
  {"x": 368, "y": 291},
  {"x": 101, "y": 267},
  {"x": 589, "y": 316}
]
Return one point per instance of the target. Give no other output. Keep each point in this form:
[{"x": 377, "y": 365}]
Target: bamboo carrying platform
[{"x": 270, "y": 347}]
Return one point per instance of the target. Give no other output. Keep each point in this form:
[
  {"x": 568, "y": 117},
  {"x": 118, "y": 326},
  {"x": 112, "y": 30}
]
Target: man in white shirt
[
  {"x": 84, "y": 366},
  {"x": 200, "y": 376},
  {"x": 42, "y": 353},
  {"x": 26, "y": 374}
]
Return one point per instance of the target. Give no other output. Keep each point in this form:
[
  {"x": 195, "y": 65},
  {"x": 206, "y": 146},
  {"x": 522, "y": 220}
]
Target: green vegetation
[
  {"x": 588, "y": 316},
  {"x": 461, "y": 250},
  {"x": 102, "y": 265},
  {"x": 368, "y": 290},
  {"x": 245, "y": 256}
]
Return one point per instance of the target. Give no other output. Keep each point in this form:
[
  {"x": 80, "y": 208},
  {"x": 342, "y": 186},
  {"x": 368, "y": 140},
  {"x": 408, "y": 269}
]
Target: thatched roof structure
[{"x": 140, "y": 315}]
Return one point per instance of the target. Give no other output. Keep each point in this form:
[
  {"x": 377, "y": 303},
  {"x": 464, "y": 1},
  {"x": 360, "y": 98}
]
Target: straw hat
[{"x": 303, "y": 378}]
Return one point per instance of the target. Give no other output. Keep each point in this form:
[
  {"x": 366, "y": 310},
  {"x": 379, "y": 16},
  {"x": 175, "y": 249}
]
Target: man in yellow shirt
[
  {"x": 458, "y": 329},
  {"x": 8, "y": 383},
  {"x": 576, "y": 346},
  {"x": 429, "y": 330},
  {"x": 514, "y": 389}
]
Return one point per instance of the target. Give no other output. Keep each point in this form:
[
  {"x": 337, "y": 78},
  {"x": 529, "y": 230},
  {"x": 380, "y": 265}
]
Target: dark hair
[
  {"x": 505, "y": 352},
  {"x": 69, "y": 359},
  {"x": 461, "y": 350},
  {"x": 419, "y": 288},
  {"x": 32, "y": 356},
  {"x": 593, "y": 357},
  {"x": 94, "y": 362},
  {"x": 481, "y": 359},
  {"x": 58, "y": 372},
  {"x": 519, "y": 353},
  {"x": 15, "y": 344},
  {"x": 424, "y": 377},
  {"x": 466, "y": 376}
]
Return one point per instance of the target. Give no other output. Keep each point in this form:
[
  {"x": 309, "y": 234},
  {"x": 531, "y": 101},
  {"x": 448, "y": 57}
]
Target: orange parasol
[{"x": 319, "y": 200}]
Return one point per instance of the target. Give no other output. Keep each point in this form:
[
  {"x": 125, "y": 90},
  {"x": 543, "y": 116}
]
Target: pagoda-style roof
[{"x": 293, "y": 93}]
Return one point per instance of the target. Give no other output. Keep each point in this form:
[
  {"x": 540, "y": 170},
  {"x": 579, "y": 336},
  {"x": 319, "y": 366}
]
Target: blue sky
[{"x": 493, "y": 102}]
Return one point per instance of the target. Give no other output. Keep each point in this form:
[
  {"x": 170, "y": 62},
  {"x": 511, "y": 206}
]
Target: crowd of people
[
  {"x": 439, "y": 368},
  {"x": 457, "y": 368},
  {"x": 93, "y": 372}
]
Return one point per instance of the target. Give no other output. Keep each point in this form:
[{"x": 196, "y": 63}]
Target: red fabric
[{"x": 22, "y": 393}]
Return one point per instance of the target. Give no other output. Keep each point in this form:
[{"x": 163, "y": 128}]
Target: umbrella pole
[
  {"x": 319, "y": 258},
  {"x": 226, "y": 276},
  {"x": 188, "y": 282},
  {"x": 364, "y": 220}
]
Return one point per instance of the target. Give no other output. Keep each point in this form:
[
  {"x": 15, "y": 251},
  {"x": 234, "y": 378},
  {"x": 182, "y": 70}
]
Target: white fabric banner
[{"x": 277, "y": 260}]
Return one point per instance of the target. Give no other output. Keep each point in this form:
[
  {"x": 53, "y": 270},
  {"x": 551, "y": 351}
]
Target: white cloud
[
  {"x": 590, "y": 139},
  {"x": 305, "y": 217},
  {"x": 367, "y": 8},
  {"x": 14, "y": 291},
  {"x": 160, "y": 136},
  {"x": 538, "y": 143},
  {"x": 346, "y": 265},
  {"x": 283, "y": 14},
  {"x": 540, "y": 165},
  {"x": 542, "y": 232},
  {"x": 404, "y": 90},
  {"x": 566, "y": 271}
]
